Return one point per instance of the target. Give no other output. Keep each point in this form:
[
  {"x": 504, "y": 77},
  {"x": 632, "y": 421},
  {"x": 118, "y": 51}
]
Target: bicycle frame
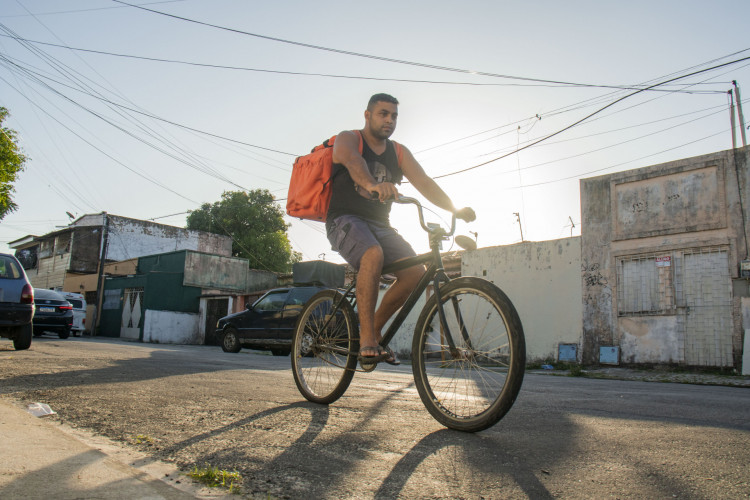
[
  {"x": 467, "y": 382},
  {"x": 435, "y": 273}
]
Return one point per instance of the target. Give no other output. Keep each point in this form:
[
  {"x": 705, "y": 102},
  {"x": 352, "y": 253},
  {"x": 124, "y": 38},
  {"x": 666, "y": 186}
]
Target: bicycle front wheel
[
  {"x": 324, "y": 347},
  {"x": 468, "y": 371}
]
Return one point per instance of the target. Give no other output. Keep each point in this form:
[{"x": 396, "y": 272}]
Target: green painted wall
[
  {"x": 173, "y": 262},
  {"x": 161, "y": 277},
  {"x": 165, "y": 292},
  {"x": 111, "y": 313}
]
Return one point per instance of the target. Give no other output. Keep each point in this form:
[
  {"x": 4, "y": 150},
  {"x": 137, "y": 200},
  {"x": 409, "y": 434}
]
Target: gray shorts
[{"x": 351, "y": 236}]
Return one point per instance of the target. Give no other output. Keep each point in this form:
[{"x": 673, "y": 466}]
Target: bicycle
[{"x": 468, "y": 350}]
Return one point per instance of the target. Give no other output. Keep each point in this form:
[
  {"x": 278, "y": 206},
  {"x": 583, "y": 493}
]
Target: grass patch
[
  {"x": 213, "y": 477},
  {"x": 143, "y": 439},
  {"x": 575, "y": 369}
]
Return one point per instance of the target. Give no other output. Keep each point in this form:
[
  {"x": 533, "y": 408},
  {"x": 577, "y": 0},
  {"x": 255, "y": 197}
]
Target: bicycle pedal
[{"x": 367, "y": 367}]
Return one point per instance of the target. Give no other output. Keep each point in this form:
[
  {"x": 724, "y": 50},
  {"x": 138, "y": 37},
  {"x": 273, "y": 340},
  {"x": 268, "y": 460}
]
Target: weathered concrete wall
[
  {"x": 258, "y": 280},
  {"x": 677, "y": 201},
  {"x": 214, "y": 271},
  {"x": 543, "y": 281},
  {"x": 129, "y": 238},
  {"x": 596, "y": 272},
  {"x": 51, "y": 272},
  {"x": 650, "y": 339},
  {"x": 85, "y": 249},
  {"x": 168, "y": 327},
  {"x": 686, "y": 207}
]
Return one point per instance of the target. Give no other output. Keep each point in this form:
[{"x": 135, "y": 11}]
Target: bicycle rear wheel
[
  {"x": 324, "y": 347},
  {"x": 472, "y": 385}
]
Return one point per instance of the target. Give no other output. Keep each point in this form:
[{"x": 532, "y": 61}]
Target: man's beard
[{"x": 381, "y": 134}]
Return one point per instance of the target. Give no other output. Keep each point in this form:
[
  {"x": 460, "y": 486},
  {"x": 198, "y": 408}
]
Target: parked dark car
[
  {"x": 16, "y": 302},
  {"x": 53, "y": 313},
  {"x": 268, "y": 324}
]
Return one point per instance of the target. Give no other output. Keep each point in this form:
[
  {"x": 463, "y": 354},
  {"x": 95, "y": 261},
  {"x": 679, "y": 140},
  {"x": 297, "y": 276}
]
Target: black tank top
[{"x": 349, "y": 199}]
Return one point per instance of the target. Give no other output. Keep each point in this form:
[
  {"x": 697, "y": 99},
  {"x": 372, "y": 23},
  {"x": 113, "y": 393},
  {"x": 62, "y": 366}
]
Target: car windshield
[
  {"x": 274, "y": 301},
  {"x": 77, "y": 304},
  {"x": 299, "y": 296},
  {"x": 9, "y": 268},
  {"x": 42, "y": 293}
]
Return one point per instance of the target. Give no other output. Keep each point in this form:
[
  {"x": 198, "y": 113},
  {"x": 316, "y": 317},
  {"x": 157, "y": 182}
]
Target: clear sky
[{"x": 87, "y": 120}]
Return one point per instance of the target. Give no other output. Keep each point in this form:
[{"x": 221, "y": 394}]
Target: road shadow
[
  {"x": 162, "y": 361},
  {"x": 484, "y": 456}
]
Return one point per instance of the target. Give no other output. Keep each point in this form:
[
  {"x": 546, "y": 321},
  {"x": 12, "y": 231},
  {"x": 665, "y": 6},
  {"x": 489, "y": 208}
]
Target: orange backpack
[{"x": 310, "y": 187}]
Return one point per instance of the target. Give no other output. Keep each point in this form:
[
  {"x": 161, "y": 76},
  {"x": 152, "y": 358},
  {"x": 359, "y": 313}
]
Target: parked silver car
[{"x": 16, "y": 303}]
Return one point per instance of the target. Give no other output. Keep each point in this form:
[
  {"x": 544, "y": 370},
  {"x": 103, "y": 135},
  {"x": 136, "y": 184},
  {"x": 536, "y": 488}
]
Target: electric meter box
[{"x": 745, "y": 269}]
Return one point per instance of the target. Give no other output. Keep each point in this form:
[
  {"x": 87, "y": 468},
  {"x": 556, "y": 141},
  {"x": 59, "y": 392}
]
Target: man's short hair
[{"x": 380, "y": 98}]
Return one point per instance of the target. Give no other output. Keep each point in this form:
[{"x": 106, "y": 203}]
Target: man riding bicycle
[{"x": 358, "y": 225}]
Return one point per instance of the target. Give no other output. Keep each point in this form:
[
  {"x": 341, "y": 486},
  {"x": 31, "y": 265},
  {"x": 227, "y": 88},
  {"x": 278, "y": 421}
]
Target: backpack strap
[{"x": 399, "y": 152}]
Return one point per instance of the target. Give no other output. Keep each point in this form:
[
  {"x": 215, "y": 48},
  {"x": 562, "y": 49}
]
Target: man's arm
[
  {"x": 346, "y": 152},
  {"x": 414, "y": 172}
]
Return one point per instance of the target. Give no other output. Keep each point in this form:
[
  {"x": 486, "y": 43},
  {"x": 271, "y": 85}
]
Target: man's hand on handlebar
[
  {"x": 466, "y": 213},
  {"x": 383, "y": 191}
]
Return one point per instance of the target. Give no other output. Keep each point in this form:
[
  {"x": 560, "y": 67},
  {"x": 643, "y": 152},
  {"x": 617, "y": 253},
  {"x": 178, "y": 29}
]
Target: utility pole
[
  {"x": 99, "y": 284},
  {"x": 731, "y": 119},
  {"x": 518, "y": 218},
  {"x": 739, "y": 112}
]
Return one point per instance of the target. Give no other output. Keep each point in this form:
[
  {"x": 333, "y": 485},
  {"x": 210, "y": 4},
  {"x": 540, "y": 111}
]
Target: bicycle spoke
[
  {"x": 324, "y": 340},
  {"x": 463, "y": 380}
]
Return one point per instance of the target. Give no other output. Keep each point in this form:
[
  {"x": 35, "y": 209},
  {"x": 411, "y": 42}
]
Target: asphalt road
[{"x": 564, "y": 438}]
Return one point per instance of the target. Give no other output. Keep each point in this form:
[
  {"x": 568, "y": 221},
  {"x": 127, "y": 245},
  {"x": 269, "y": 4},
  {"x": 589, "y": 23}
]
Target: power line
[
  {"x": 587, "y": 117},
  {"x": 63, "y": 69},
  {"x": 379, "y": 58},
  {"x": 85, "y": 10},
  {"x": 155, "y": 117},
  {"x": 349, "y": 77},
  {"x": 714, "y": 109},
  {"x": 588, "y": 102},
  {"x": 619, "y": 164},
  {"x": 650, "y": 134},
  {"x": 153, "y": 181},
  {"x": 174, "y": 156}
]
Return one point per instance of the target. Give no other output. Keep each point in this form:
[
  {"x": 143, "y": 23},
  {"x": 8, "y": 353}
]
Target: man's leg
[
  {"x": 368, "y": 283},
  {"x": 406, "y": 281}
]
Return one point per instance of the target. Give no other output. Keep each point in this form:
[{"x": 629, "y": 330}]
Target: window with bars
[{"x": 645, "y": 285}]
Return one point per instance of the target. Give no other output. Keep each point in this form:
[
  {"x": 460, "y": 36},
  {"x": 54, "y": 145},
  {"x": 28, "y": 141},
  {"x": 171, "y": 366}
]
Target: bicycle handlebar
[{"x": 405, "y": 200}]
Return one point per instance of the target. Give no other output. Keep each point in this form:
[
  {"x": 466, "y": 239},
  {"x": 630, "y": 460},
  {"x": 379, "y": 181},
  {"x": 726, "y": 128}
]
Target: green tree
[
  {"x": 256, "y": 225},
  {"x": 11, "y": 163}
]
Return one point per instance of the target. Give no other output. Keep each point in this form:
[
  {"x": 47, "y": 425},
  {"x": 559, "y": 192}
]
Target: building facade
[
  {"x": 69, "y": 259},
  {"x": 662, "y": 254},
  {"x": 177, "y": 297}
]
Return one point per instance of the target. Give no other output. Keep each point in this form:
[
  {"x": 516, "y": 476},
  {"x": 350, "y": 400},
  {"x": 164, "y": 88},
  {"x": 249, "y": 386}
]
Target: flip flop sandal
[
  {"x": 381, "y": 355},
  {"x": 392, "y": 359}
]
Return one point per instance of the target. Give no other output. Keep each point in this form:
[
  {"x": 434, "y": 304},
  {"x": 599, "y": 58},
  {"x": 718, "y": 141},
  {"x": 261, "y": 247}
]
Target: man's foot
[
  {"x": 373, "y": 354},
  {"x": 392, "y": 359}
]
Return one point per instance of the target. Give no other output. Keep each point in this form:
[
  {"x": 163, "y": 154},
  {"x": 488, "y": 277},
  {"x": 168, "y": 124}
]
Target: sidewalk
[
  {"x": 41, "y": 461},
  {"x": 656, "y": 375}
]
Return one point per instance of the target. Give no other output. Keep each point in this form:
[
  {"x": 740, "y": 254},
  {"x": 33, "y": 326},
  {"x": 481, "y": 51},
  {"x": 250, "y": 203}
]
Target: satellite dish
[
  {"x": 465, "y": 242},
  {"x": 70, "y": 215}
]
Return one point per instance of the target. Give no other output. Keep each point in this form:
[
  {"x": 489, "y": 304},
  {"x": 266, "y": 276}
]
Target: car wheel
[
  {"x": 22, "y": 339},
  {"x": 64, "y": 334},
  {"x": 280, "y": 352},
  {"x": 229, "y": 341}
]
